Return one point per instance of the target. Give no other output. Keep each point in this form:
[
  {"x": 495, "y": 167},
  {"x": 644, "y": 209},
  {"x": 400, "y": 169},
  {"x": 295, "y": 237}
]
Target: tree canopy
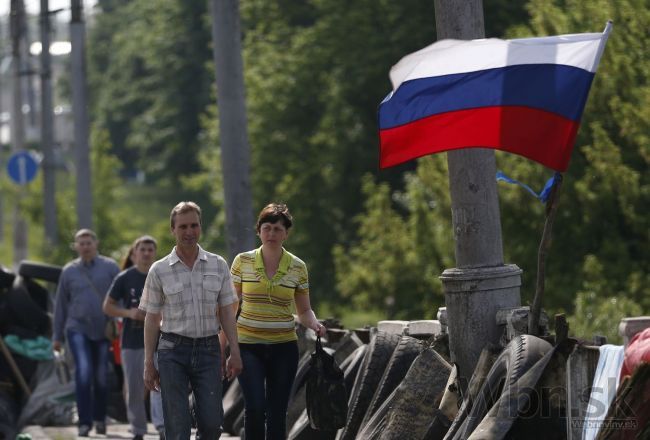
[{"x": 315, "y": 73}]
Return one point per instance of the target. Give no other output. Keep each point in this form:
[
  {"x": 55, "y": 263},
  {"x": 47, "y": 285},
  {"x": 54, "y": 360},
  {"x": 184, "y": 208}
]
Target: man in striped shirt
[{"x": 191, "y": 290}]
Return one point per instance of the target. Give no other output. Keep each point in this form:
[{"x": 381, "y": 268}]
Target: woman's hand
[{"x": 320, "y": 329}]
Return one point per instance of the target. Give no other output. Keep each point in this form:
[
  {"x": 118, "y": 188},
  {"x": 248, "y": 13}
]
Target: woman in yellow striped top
[{"x": 270, "y": 281}]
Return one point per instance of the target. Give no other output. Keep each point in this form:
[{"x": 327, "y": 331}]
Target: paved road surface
[{"x": 114, "y": 431}]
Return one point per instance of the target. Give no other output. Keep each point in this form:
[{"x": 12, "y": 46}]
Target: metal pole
[
  {"x": 80, "y": 116},
  {"x": 480, "y": 284},
  {"x": 18, "y": 128},
  {"x": 47, "y": 130}
]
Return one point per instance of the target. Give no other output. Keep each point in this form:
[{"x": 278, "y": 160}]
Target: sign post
[{"x": 22, "y": 168}]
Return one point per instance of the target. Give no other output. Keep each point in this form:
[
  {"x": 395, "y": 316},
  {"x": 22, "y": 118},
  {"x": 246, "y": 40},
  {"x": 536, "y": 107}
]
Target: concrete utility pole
[
  {"x": 235, "y": 150},
  {"x": 17, "y": 119},
  {"x": 2, "y": 89},
  {"x": 480, "y": 284},
  {"x": 47, "y": 129},
  {"x": 80, "y": 116}
]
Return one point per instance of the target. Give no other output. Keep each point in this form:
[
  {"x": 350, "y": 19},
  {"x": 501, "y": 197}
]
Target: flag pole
[{"x": 542, "y": 253}]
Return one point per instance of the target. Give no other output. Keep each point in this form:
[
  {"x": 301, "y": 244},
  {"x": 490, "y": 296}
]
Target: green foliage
[
  {"x": 597, "y": 310},
  {"x": 315, "y": 71},
  {"x": 150, "y": 82},
  {"x": 601, "y": 236},
  {"x": 116, "y": 221},
  {"x": 403, "y": 245},
  {"x": 351, "y": 317},
  {"x": 108, "y": 214},
  {"x": 606, "y": 189}
]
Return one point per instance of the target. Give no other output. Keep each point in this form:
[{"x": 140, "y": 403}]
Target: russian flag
[{"x": 524, "y": 96}]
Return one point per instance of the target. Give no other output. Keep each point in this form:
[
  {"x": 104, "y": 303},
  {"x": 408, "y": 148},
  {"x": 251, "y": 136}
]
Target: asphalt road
[{"x": 114, "y": 431}]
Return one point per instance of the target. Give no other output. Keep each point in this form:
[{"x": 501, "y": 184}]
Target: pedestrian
[
  {"x": 270, "y": 281},
  {"x": 79, "y": 320},
  {"x": 192, "y": 292},
  {"x": 122, "y": 301}
]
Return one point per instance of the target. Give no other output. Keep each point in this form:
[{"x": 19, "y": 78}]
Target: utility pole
[
  {"x": 80, "y": 116},
  {"x": 2, "y": 89},
  {"x": 480, "y": 284},
  {"x": 235, "y": 149},
  {"x": 47, "y": 130},
  {"x": 18, "y": 127}
]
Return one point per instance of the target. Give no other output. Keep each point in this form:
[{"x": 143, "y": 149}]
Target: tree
[
  {"x": 151, "y": 84},
  {"x": 405, "y": 240},
  {"x": 316, "y": 71}
]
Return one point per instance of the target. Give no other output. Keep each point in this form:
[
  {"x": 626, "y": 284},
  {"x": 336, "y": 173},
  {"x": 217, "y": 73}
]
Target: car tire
[
  {"x": 517, "y": 358},
  {"x": 26, "y": 313},
  {"x": 417, "y": 397},
  {"x": 6, "y": 278},
  {"x": 377, "y": 355},
  {"x": 400, "y": 361},
  {"x": 40, "y": 271},
  {"x": 302, "y": 430}
]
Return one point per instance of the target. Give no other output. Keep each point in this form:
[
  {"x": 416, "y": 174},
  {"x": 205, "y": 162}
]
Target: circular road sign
[{"x": 22, "y": 167}]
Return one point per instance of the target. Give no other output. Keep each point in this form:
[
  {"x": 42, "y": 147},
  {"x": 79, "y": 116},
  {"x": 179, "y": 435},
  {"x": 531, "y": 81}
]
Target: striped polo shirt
[{"x": 268, "y": 304}]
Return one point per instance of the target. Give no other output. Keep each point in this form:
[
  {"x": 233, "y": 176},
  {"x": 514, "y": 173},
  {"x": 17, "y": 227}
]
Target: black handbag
[{"x": 327, "y": 401}]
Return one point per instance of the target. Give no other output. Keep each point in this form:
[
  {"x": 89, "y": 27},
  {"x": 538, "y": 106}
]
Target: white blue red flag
[{"x": 525, "y": 96}]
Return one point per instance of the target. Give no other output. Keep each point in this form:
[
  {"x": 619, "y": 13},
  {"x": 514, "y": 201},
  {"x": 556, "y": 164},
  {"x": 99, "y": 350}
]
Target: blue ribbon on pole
[{"x": 543, "y": 194}]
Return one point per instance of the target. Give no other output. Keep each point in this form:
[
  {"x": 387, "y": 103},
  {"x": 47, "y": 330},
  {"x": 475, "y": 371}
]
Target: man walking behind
[
  {"x": 122, "y": 301},
  {"x": 78, "y": 317},
  {"x": 192, "y": 291}
]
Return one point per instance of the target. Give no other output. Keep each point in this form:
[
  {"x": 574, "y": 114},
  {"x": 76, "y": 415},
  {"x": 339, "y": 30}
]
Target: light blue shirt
[{"x": 77, "y": 305}]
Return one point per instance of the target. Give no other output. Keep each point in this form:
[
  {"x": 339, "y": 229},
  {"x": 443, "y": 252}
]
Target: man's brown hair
[{"x": 182, "y": 208}]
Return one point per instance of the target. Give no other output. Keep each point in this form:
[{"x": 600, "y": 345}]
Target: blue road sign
[{"x": 22, "y": 167}]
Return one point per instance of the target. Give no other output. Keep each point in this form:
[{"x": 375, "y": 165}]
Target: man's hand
[
  {"x": 151, "y": 376},
  {"x": 136, "y": 314},
  {"x": 233, "y": 366},
  {"x": 56, "y": 345}
]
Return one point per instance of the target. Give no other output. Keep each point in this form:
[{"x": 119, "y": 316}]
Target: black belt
[{"x": 180, "y": 339}]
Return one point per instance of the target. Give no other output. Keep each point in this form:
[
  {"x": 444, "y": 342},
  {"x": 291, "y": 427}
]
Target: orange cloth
[{"x": 116, "y": 346}]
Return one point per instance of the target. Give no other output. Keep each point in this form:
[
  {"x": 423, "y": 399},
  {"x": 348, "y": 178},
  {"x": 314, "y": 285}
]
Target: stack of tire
[
  {"x": 403, "y": 387},
  {"x": 25, "y": 311},
  {"x": 424, "y": 405}
]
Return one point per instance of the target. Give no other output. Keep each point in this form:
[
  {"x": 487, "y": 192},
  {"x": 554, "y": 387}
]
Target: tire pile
[
  {"x": 404, "y": 387},
  {"x": 25, "y": 311}
]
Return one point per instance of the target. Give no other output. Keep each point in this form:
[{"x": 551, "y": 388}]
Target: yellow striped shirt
[{"x": 268, "y": 304}]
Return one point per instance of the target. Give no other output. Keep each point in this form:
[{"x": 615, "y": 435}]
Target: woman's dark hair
[
  {"x": 274, "y": 212},
  {"x": 128, "y": 259}
]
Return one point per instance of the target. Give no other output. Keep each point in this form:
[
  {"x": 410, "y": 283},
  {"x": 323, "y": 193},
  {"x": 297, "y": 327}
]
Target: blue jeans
[
  {"x": 184, "y": 363},
  {"x": 266, "y": 381},
  {"x": 91, "y": 376}
]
